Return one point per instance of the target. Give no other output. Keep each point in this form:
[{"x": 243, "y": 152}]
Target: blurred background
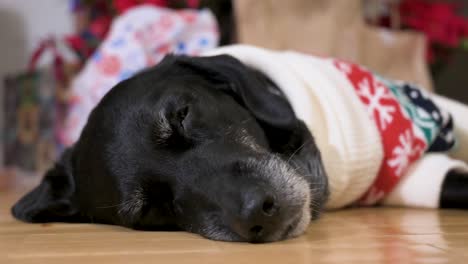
[{"x": 59, "y": 57}]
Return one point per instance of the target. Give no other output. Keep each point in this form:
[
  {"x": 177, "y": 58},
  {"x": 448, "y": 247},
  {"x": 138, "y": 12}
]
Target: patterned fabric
[
  {"x": 408, "y": 121},
  {"x": 429, "y": 113},
  {"x": 435, "y": 123},
  {"x": 139, "y": 38}
]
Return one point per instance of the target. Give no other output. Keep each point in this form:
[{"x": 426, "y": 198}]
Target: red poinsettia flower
[{"x": 438, "y": 20}]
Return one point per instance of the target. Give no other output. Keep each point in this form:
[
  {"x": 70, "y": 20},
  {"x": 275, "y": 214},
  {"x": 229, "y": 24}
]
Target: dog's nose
[{"x": 257, "y": 218}]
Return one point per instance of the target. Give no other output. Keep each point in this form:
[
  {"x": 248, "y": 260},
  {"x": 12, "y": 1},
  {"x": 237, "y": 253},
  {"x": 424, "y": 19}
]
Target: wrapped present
[
  {"x": 94, "y": 17},
  {"x": 35, "y": 104},
  {"x": 139, "y": 38},
  {"x": 29, "y": 120}
]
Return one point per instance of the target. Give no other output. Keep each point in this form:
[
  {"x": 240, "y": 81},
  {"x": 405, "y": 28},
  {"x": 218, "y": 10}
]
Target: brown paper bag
[{"x": 333, "y": 28}]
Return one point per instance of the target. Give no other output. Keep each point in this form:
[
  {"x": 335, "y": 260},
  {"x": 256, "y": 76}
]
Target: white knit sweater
[{"x": 348, "y": 139}]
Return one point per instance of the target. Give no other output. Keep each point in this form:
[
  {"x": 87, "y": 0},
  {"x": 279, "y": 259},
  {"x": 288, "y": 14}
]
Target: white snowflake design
[
  {"x": 403, "y": 152},
  {"x": 375, "y": 101}
]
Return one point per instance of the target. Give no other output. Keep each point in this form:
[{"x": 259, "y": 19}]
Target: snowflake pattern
[
  {"x": 401, "y": 143},
  {"x": 376, "y": 101},
  {"x": 404, "y": 152}
]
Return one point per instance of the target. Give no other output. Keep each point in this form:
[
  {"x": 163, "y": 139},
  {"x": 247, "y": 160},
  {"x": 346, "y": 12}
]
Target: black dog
[{"x": 205, "y": 145}]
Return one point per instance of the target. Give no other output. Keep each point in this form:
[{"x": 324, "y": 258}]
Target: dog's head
[{"x": 205, "y": 145}]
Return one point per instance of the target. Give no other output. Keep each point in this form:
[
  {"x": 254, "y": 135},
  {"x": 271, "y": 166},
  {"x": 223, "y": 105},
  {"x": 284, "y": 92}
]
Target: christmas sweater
[{"x": 375, "y": 135}]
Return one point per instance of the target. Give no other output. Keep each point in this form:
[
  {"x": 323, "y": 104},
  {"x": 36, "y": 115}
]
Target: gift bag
[
  {"x": 333, "y": 28},
  {"x": 35, "y": 106},
  {"x": 29, "y": 120}
]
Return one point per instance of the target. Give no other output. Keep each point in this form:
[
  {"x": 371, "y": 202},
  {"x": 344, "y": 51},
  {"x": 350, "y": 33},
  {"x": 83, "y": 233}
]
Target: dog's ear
[
  {"x": 51, "y": 201},
  {"x": 286, "y": 134},
  {"x": 250, "y": 87}
]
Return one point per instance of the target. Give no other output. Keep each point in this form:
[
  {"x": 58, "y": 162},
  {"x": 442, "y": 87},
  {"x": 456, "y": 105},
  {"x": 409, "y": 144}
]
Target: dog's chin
[
  {"x": 299, "y": 226},
  {"x": 294, "y": 228}
]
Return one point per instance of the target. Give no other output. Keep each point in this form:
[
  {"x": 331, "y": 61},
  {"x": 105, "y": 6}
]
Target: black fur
[{"x": 184, "y": 145}]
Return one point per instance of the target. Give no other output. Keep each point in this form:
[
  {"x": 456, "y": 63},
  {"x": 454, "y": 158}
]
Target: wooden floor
[{"x": 348, "y": 236}]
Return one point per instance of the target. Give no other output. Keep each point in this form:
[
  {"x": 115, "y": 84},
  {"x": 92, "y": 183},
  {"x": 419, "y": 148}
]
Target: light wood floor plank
[{"x": 372, "y": 235}]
